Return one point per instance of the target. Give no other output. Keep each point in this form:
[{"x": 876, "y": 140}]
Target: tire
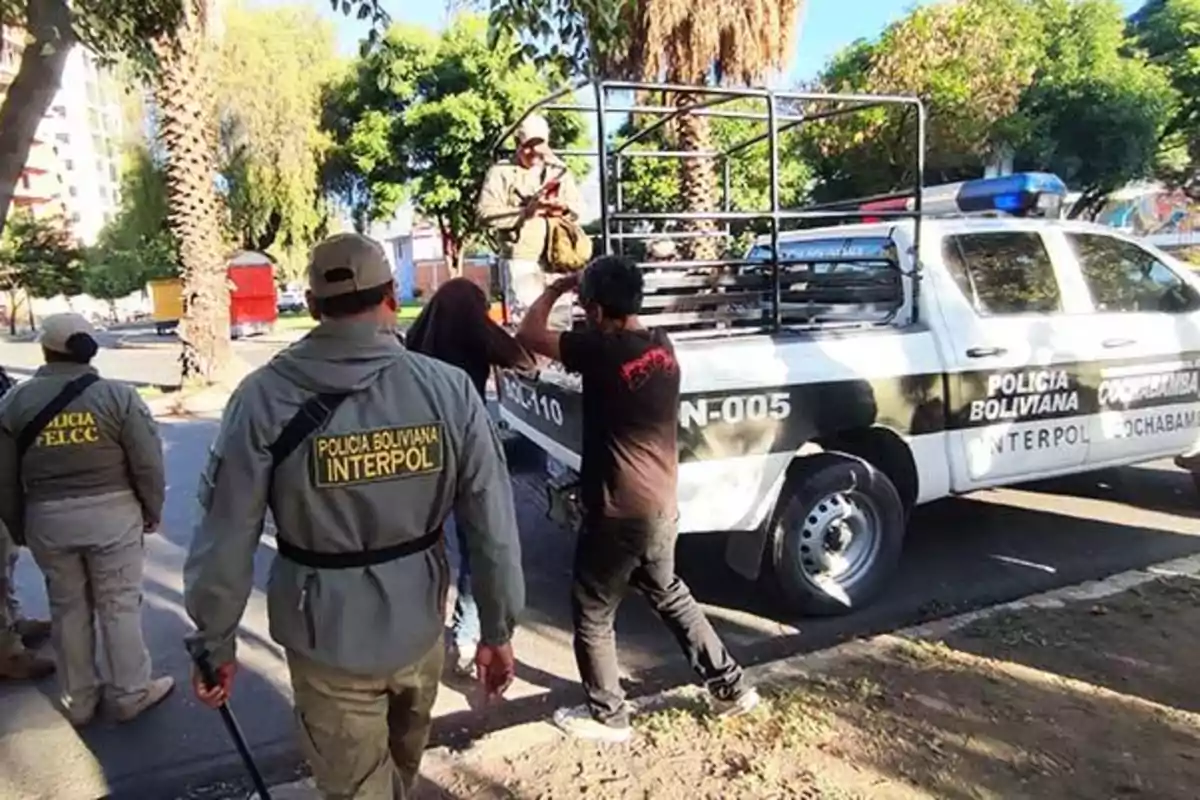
[{"x": 854, "y": 511}]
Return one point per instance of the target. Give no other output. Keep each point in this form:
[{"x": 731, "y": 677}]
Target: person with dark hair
[
  {"x": 360, "y": 449},
  {"x": 627, "y": 489},
  {"x": 454, "y": 327},
  {"x": 82, "y": 484}
]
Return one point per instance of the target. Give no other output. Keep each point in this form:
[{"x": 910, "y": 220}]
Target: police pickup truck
[{"x": 1030, "y": 347}]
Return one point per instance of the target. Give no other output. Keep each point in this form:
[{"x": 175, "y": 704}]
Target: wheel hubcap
[{"x": 839, "y": 538}]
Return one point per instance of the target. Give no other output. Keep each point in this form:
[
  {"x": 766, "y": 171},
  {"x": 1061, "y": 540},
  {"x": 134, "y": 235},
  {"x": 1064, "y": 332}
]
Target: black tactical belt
[{"x": 356, "y": 559}]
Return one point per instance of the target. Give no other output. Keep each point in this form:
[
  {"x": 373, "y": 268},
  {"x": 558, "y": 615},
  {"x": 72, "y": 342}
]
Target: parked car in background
[{"x": 290, "y": 301}]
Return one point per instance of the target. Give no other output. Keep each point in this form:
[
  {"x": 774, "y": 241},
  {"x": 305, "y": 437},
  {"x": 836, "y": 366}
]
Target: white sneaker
[
  {"x": 580, "y": 723},
  {"x": 462, "y": 662},
  {"x": 743, "y": 703}
]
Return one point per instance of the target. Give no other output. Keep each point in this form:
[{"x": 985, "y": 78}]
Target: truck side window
[
  {"x": 1124, "y": 277},
  {"x": 1003, "y": 272}
]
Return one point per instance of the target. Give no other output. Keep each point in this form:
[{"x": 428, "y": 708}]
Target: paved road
[
  {"x": 134, "y": 354},
  {"x": 962, "y": 553}
]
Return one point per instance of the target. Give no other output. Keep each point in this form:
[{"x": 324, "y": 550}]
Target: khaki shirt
[
  {"x": 104, "y": 442},
  {"x": 410, "y": 445},
  {"x": 503, "y": 196}
]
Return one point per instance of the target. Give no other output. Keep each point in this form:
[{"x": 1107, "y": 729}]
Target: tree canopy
[
  {"x": 137, "y": 245},
  {"x": 1051, "y": 82},
  {"x": 1168, "y": 32},
  {"x": 274, "y": 63},
  {"x": 417, "y": 118},
  {"x": 39, "y": 259}
]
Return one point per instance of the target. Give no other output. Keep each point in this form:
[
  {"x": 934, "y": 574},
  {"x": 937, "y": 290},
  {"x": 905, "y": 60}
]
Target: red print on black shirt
[{"x": 639, "y": 370}]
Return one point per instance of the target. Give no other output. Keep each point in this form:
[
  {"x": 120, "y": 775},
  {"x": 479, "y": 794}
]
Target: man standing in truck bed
[
  {"x": 516, "y": 202},
  {"x": 628, "y": 490}
]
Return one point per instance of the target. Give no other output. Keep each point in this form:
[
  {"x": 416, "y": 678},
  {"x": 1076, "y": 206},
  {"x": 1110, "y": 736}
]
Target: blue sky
[{"x": 825, "y": 27}]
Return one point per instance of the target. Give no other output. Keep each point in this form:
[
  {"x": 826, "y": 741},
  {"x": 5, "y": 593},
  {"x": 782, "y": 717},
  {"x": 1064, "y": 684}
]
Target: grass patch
[{"x": 303, "y": 322}]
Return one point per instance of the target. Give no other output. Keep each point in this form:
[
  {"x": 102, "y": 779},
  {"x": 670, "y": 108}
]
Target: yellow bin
[{"x": 166, "y": 298}]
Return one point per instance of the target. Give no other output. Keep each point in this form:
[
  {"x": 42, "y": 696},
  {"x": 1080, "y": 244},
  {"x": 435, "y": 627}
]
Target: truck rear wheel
[{"x": 837, "y": 536}]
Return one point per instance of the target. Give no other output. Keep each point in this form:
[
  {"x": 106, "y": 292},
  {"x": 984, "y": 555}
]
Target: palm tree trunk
[
  {"x": 698, "y": 181},
  {"x": 188, "y": 135}
]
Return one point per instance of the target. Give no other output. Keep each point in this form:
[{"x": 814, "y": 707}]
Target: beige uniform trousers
[
  {"x": 364, "y": 737},
  {"x": 90, "y": 549},
  {"x": 524, "y": 281},
  {"x": 10, "y": 609}
]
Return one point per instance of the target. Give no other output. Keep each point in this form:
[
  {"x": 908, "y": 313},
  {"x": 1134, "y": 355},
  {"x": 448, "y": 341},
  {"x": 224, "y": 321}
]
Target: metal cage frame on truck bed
[{"x": 773, "y": 294}]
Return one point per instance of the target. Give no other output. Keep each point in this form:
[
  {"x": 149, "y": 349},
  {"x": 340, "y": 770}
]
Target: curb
[{"x": 508, "y": 742}]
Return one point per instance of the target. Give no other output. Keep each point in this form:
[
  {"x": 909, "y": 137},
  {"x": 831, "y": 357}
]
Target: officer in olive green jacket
[
  {"x": 82, "y": 483},
  {"x": 516, "y": 201},
  {"x": 360, "y": 450}
]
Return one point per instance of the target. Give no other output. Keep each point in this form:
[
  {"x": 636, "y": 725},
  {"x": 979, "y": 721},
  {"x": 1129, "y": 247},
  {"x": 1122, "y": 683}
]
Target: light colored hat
[
  {"x": 346, "y": 263},
  {"x": 57, "y": 329},
  {"x": 661, "y": 249},
  {"x": 534, "y": 127}
]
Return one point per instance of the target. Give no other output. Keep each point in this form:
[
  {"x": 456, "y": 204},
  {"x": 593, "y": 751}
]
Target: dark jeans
[{"x": 611, "y": 556}]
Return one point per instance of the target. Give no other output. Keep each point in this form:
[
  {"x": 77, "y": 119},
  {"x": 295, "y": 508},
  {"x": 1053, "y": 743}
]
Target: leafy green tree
[
  {"x": 1168, "y": 32},
  {"x": 273, "y": 65},
  {"x": 416, "y": 120},
  {"x": 136, "y": 245},
  {"x": 1049, "y": 81},
  {"x": 184, "y": 82},
  {"x": 109, "y": 28},
  {"x": 970, "y": 62},
  {"x": 38, "y": 258},
  {"x": 655, "y": 184},
  {"x": 685, "y": 43},
  {"x": 1095, "y": 112}
]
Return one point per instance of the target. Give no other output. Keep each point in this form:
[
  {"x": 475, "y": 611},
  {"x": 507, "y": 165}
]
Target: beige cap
[
  {"x": 346, "y": 263},
  {"x": 58, "y": 328},
  {"x": 661, "y": 249},
  {"x": 534, "y": 127}
]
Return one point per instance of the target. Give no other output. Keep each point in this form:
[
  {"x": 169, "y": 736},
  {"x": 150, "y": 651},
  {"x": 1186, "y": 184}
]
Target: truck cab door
[
  {"x": 1012, "y": 355},
  {"x": 1144, "y": 346}
]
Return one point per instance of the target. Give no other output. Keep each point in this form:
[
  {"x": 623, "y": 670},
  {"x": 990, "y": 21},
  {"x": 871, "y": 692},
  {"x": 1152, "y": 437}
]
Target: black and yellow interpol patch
[{"x": 383, "y": 454}]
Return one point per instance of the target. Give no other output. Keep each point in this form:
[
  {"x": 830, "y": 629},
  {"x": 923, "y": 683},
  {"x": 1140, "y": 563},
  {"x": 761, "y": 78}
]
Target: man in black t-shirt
[{"x": 627, "y": 485}]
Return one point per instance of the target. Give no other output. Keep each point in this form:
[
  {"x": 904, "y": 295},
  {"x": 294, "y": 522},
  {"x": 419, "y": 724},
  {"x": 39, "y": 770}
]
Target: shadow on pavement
[{"x": 1154, "y": 487}]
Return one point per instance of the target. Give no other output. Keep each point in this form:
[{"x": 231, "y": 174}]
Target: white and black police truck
[{"x": 954, "y": 338}]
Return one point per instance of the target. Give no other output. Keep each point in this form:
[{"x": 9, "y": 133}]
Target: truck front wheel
[{"x": 838, "y": 535}]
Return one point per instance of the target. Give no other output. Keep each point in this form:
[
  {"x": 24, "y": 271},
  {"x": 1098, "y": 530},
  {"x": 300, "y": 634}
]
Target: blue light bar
[{"x": 1018, "y": 194}]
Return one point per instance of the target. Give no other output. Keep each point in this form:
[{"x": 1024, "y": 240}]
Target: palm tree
[
  {"x": 692, "y": 43},
  {"x": 188, "y": 134}
]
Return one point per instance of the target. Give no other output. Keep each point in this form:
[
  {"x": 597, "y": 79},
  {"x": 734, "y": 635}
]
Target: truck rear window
[{"x": 836, "y": 279}]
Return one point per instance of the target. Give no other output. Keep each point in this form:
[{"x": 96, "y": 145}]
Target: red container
[{"x": 252, "y": 302}]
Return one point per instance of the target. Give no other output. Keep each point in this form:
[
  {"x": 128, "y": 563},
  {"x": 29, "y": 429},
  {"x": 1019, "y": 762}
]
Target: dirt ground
[{"x": 1093, "y": 700}]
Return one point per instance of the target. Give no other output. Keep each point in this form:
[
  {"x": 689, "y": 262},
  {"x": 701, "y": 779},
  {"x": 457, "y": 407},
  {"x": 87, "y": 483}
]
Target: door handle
[
  {"x": 1118, "y": 342},
  {"x": 985, "y": 352}
]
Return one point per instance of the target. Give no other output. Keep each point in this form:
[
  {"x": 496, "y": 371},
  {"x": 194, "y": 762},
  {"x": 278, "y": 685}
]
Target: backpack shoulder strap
[
  {"x": 313, "y": 414},
  {"x": 28, "y": 435}
]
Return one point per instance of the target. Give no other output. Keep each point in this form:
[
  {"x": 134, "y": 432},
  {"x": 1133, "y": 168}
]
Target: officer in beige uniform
[
  {"x": 360, "y": 450},
  {"x": 82, "y": 483},
  {"x": 517, "y": 198}
]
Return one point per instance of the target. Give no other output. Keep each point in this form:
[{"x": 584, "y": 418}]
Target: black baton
[{"x": 209, "y": 676}]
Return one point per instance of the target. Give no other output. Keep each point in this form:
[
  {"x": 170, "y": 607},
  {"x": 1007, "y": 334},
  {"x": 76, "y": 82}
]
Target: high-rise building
[
  {"x": 86, "y": 120},
  {"x": 73, "y": 169},
  {"x": 38, "y": 187}
]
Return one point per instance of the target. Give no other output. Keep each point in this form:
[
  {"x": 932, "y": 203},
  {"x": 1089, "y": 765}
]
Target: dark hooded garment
[{"x": 455, "y": 327}]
